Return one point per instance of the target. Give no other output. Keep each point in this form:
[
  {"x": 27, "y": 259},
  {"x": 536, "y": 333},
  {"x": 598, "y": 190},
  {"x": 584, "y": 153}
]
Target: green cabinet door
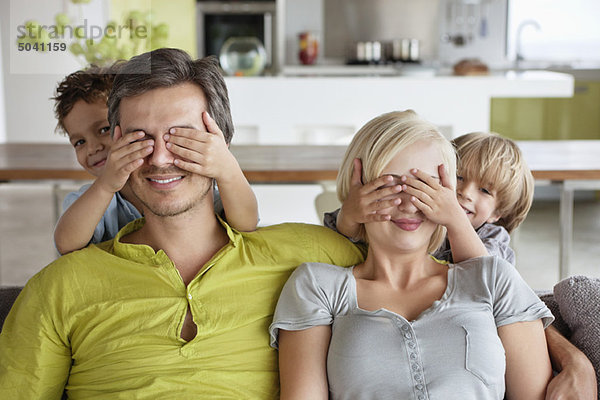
[{"x": 572, "y": 118}]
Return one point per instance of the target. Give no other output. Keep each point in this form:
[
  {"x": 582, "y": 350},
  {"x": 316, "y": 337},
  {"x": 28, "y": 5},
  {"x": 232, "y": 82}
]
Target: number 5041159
[{"x": 49, "y": 46}]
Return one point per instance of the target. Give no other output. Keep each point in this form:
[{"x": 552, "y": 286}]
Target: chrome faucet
[{"x": 522, "y": 25}]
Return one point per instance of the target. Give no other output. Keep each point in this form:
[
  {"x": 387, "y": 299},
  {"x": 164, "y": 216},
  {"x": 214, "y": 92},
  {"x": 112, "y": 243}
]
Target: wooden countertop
[{"x": 548, "y": 160}]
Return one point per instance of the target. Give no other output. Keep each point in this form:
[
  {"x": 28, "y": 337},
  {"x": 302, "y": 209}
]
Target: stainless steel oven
[{"x": 219, "y": 20}]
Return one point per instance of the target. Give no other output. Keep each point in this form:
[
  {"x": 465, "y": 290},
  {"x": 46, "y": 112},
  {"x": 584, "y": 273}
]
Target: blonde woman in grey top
[{"x": 404, "y": 325}]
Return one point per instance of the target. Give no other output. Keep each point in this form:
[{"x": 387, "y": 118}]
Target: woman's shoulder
[
  {"x": 485, "y": 263},
  {"x": 331, "y": 281},
  {"x": 321, "y": 273},
  {"x": 487, "y": 268}
]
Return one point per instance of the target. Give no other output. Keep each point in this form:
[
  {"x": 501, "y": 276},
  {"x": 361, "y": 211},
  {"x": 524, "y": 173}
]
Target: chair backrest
[
  {"x": 326, "y": 201},
  {"x": 59, "y": 192},
  {"x": 8, "y": 295}
]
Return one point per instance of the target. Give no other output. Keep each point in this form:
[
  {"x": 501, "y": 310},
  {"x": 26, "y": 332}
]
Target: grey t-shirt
[
  {"x": 495, "y": 238},
  {"x": 119, "y": 213},
  {"x": 451, "y": 351}
]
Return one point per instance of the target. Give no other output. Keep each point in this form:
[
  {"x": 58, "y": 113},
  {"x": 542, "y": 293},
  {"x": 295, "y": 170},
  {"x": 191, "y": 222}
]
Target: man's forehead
[
  {"x": 180, "y": 105},
  {"x": 186, "y": 90}
]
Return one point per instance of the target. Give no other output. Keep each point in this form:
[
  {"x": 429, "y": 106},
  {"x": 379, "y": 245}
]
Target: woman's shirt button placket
[{"x": 414, "y": 359}]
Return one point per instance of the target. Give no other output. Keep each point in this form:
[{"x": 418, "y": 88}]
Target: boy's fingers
[
  {"x": 185, "y": 132},
  {"x": 183, "y": 152},
  {"x": 415, "y": 192},
  {"x": 418, "y": 184},
  {"x": 211, "y": 125},
  {"x": 127, "y": 139},
  {"x": 385, "y": 192},
  {"x": 356, "y": 178},
  {"x": 445, "y": 181},
  {"x": 423, "y": 207},
  {"x": 141, "y": 153},
  {"x": 122, "y": 149},
  {"x": 378, "y": 217},
  {"x": 189, "y": 166},
  {"x": 127, "y": 158},
  {"x": 377, "y": 184},
  {"x": 186, "y": 142},
  {"x": 386, "y": 204},
  {"x": 132, "y": 166},
  {"x": 117, "y": 133},
  {"x": 428, "y": 179}
]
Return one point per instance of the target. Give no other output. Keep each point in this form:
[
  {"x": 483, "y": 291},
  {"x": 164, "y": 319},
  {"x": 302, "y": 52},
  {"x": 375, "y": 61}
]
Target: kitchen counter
[{"x": 330, "y": 109}]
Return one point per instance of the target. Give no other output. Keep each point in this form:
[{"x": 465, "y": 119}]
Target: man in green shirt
[{"x": 178, "y": 305}]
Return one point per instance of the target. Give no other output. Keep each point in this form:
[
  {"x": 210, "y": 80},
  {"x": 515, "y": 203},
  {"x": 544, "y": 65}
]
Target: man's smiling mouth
[{"x": 168, "y": 180}]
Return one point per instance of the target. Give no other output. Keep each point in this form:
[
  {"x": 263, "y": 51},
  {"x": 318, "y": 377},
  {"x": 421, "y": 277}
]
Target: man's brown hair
[{"x": 164, "y": 68}]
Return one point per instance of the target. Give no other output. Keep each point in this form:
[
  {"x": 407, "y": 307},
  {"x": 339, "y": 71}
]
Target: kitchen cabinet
[
  {"x": 575, "y": 118},
  {"x": 329, "y": 109}
]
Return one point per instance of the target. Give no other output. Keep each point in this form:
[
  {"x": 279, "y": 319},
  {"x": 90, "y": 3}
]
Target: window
[{"x": 568, "y": 30}]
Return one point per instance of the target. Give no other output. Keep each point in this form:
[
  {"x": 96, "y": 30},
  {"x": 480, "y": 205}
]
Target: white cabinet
[{"x": 329, "y": 110}]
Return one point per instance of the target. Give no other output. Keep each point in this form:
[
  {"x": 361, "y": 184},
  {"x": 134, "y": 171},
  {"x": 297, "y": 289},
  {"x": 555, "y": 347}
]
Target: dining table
[{"x": 570, "y": 165}]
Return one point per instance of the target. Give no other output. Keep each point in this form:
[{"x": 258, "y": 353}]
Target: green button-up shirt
[{"x": 104, "y": 322}]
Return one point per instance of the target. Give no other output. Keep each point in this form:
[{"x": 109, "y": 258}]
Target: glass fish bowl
[{"x": 243, "y": 56}]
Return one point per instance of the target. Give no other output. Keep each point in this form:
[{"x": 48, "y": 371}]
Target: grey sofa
[
  {"x": 8, "y": 295},
  {"x": 575, "y": 303}
]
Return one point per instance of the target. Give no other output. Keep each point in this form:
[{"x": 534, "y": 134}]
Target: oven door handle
[{"x": 268, "y": 24}]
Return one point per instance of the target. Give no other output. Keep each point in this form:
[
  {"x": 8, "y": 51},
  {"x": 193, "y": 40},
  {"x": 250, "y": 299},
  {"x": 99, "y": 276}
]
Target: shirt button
[
  {"x": 415, "y": 367},
  {"x": 411, "y": 344},
  {"x": 418, "y": 378},
  {"x": 413, "y": 356},
  {"x": 189, "y": 296},
  {"x": 407, "y": 335},
  {"x": 404, "y": 327}
]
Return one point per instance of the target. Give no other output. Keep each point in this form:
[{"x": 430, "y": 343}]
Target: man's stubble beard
[{"x": 170, "y": 210}]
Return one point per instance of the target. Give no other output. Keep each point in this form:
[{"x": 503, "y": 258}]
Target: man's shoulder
[
  {"x": 301, "y": 232},
  {"x": 76, "y": 262},
  {"x": 306, "y": 243},
  {"x": 296, "y": 228}
]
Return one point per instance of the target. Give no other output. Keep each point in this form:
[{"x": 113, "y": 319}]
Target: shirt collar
[{"x": 145, "y": 254}]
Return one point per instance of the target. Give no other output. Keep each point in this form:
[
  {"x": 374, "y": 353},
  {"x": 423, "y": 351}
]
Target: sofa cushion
[
  {"x": 578, "y": 298},
  {"x": 547, "y": 296},
  {"x": 8, "y": 296}
]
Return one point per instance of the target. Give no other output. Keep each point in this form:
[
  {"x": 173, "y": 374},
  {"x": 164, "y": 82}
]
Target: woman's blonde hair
[
  {"x": 379, "y": 140},
  {"x": 497, "y": 163}
]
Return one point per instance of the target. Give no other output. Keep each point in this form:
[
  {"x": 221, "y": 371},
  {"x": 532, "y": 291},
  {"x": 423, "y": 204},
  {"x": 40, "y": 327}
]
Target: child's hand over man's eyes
[
  {"x": 125, "y": 156},
  {"x": 203, "y": 153}
]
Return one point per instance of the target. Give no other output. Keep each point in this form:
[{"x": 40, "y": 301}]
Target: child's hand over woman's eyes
[
  {"x": 434, "y": 198},
  {"x": 369, "y": 202}
]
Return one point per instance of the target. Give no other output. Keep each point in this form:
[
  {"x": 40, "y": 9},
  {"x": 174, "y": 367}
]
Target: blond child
[
  {"x": 96, "y": 212},
  {"x": 493, "y": 196}
]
